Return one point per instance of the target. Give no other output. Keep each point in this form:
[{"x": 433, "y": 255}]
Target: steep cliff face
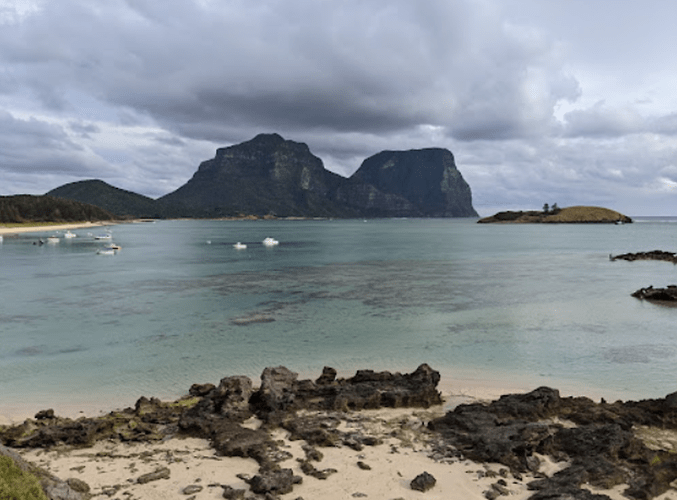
[
  {"x": 266, "y": 175},
  {"x": 426, "y": 178},
  {"x": 269, "y": 175}
]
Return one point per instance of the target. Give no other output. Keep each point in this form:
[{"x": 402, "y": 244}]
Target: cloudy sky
[{"x": 557, "y": 101}]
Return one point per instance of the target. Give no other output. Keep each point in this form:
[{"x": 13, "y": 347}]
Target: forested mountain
[{"x": 114, "y": 200}]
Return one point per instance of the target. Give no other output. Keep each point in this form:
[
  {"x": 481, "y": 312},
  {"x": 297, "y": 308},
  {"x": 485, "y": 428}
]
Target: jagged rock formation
[
  {"x": 269, "y": 175},
  {"x": 602, "y": 444},
  {"x": 660, "y": 295},
  {"x": 577, "y": 214},
  {"x": 217, "y": 413},
  {"x": 606, "y": 444},
  {"x": 114, "y": 200}
]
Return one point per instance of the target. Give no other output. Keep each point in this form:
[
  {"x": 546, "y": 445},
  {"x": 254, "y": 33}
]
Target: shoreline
[
  {"x": 5, "y": 230},
  {"x": 460, "y": 389},
  {"x": 376, "y": 435},
  {"x": 456, "y": 386}
]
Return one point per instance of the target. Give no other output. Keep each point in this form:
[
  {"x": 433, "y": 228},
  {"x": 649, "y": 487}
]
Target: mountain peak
[{"x": 269, "y": 175}]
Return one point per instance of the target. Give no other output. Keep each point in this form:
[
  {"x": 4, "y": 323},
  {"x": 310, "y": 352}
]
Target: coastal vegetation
[
  {"x": 21, "y": 209},
  {"x": 16, "y": 484},
  {"x": 117, "y": 201},
  {"x": 556, "y": 215}
]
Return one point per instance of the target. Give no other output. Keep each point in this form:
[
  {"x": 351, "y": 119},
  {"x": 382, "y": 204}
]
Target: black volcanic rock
[
  {"x": 114, "y": 200},
  {"x": 426, "y": 178}
]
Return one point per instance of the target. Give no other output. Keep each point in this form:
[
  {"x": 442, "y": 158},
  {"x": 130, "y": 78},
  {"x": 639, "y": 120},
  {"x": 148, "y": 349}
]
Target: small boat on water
[
  {"x": 239, "y": 246},
  {"x": 68, "y": 234},
  {"x": 53, "y": 239},
  {"x": 270, "y": 242},
  {"x": 106, "y": 236},
  {"x": 105, "y": 251}
]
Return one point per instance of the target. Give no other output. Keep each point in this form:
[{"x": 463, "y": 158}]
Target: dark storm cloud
[
  {"x": 366, "y": 66},
  {"x": 528, "y": 95},
  {"x": 19, "y": 138}
]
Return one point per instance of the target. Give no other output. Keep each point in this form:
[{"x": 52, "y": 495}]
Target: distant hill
[
  {"x": 269, "y": 175},
  {"x": 114, "y": 200},
  {"x": 576, "y": 214},
  {"x": 29, "y": 208}
]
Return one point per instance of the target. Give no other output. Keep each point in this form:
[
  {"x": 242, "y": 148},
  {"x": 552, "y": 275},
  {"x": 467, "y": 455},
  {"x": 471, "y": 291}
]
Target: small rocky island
[{"x": 568, "y": 215}]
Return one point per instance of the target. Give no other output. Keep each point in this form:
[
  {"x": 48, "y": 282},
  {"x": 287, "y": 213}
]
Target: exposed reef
[
  {"x": 667, "y": 294},
  {"x": 599, "y": 444},
  {"x": 652, "y": 255}
]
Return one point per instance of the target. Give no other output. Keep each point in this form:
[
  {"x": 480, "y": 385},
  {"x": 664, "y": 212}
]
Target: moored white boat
[
  {"x": 239, "y": 246},
  {"x": 53, "y": 239},
  {"x": 68, "y": 234},
  {"x": 270, "y": 242}
]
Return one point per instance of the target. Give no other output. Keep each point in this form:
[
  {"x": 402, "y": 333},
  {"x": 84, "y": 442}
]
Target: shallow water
[{"x": 178, "y": 305}]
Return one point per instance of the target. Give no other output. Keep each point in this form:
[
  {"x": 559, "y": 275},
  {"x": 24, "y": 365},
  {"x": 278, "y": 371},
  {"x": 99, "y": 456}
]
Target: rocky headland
[
  {"x": 568, "y": 215},
  {"x": 631, "y": 445}
]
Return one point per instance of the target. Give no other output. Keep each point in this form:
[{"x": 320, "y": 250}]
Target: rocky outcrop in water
[
  {"x": 666, "y": 295},
  {"x": 652, "y": 255}
]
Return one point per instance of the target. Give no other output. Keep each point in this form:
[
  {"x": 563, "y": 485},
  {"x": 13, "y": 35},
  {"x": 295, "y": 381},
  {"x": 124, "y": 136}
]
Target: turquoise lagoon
[{"x": 541, "y": 304}]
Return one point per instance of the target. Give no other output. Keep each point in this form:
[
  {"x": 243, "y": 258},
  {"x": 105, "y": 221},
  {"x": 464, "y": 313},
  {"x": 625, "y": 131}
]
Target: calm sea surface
[{"x": 178, "y": 304}]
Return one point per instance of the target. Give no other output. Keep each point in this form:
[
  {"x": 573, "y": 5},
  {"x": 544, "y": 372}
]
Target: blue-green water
[{"x": 542, "y": 303}]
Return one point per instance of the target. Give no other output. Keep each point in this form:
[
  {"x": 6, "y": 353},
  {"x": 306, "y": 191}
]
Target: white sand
[
  {"x": 394, "y": 464},
  {"x": 52, "y": 227},
  {"x": 111, "y": 469}
]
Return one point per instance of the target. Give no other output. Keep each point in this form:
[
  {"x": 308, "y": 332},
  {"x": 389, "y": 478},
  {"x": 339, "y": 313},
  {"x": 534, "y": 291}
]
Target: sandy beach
[
  {"x": 8, "y": 230},
  {"x": 190, "y": 468}
]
